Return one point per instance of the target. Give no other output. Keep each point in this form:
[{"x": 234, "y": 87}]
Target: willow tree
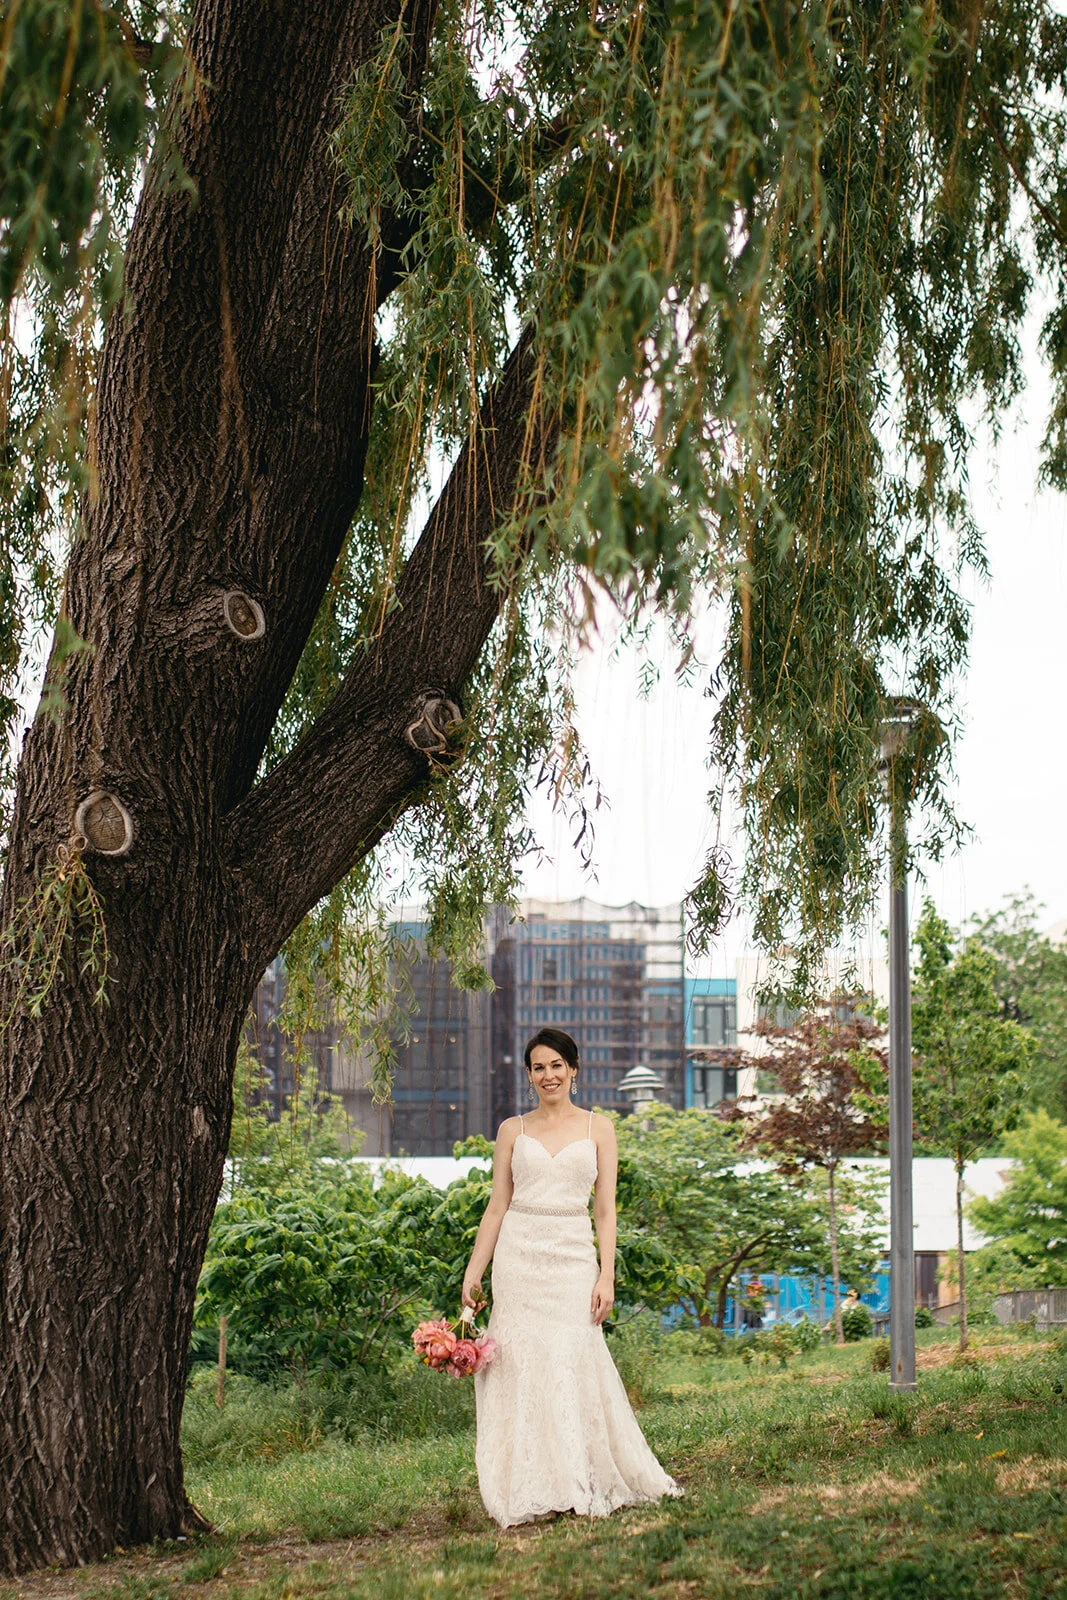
[{"x": 354, "y": 351}]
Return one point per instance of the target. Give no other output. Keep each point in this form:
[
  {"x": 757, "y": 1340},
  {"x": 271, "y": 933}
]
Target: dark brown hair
[{"x": 555, "y": 1039}]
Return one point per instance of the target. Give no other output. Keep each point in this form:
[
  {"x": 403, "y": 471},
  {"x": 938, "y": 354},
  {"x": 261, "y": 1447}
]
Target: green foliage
[
  {"x": 318, "y": 1270},
  {"x": 636, "y": 1349},
  {"x": 1028, "y": 1220},
  {"x": 1030, "y": 977},
  {"x": 807, "y": 1335},
  {"x": 61, "y": 922},
  {"x": 299, "y": 1150},
  {"x": 73, "y": 117},
  {"x": 268, "y": 1420},
  {"x": 970, "y": 1062},
  {"x": 880, "y": 1355},
  {"x": 775, "y": 263},
  {"x": 310, "y": 1279},
  {"x": 924, "y": 1317},
  {"x": 857, "y": 1323},
  {"x": 684, "y": 1185}
]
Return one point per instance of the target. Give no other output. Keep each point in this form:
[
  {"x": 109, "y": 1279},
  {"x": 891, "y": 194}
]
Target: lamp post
[{"x": 897, "y": 727}]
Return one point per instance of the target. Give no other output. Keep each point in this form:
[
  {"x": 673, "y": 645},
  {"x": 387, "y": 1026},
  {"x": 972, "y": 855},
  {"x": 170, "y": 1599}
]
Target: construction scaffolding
[{"x": 611, "y": 976}]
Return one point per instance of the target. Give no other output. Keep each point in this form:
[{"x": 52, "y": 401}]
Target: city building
[
  {"x": 712, "y": 1058},
  {"x": 441, "y": 1083},
  {"x": 286, "y": 1071},
  {"x": 610, "y": 976}
]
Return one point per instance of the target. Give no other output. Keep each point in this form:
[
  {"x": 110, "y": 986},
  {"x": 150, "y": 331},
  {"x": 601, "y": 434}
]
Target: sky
[{"x": 649, "y": 753}]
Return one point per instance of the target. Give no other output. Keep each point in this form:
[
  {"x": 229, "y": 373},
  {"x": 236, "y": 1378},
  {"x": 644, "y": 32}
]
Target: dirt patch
[
  {"x": 1031, "y": 1472},
  {"x": 247, "y": 1563},
  {"x": 945, "y": 1355},
  {"x": 841, "y": 1496}
]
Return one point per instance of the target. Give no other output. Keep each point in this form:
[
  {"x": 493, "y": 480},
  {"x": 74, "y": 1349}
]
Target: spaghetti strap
[
  {"x": 522, "y": 1122},
  {"x": 589, "y": 1132}
]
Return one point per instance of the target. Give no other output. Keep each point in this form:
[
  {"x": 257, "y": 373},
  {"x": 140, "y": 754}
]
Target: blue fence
[{"x": 789, "y": 1298}]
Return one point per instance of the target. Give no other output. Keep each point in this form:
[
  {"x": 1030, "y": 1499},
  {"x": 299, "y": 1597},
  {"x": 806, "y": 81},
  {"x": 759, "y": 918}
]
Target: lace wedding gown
[{"x": 555, "y": 1429}]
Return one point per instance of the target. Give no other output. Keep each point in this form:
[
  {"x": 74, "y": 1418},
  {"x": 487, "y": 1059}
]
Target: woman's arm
[
  {"x": 493, "y": 1216},
  {"x": 607, "y": 1167}
]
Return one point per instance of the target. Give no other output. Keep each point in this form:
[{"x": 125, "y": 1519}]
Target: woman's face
[{"x": 550, "y": 1075}]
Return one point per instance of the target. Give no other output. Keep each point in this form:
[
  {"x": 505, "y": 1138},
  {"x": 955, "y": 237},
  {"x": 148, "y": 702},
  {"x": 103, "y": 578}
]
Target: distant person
[
  {"x": 852, "y": 1298},
  {"x": 555, "y": 1429}
]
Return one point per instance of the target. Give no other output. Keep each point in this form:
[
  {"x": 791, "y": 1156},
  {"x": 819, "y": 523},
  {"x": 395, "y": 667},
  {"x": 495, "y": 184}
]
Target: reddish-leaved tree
[{"x": 831, "y": 1070}]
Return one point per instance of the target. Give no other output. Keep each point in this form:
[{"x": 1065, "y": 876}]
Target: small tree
[
  {"x": 969, "y": 1058},
  {"x": 1030, "y": 978},
  {"x": 1027, "y": 1223},
  {"x": 832, "y": 1074},
  {"x": 684, "y": 1181}
]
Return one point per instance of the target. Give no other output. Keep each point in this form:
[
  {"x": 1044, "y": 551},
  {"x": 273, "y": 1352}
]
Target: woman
[{"x": 555, "y": 1429}]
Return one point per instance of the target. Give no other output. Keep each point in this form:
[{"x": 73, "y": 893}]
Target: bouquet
[{"x": 456, "y": 1349}]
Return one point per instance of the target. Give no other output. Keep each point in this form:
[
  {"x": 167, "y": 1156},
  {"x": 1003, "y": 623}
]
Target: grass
[{"x": 810, "y": 1482}]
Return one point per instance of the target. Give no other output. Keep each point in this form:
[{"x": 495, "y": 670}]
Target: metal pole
[{"x": 901, "y": 1237}]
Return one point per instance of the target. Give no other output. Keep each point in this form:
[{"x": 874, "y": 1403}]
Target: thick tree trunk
[
  {"x": 961, "y": 1259},
  {"x": 835, "y": 1265},
  {"x": 232, "y": 428}
]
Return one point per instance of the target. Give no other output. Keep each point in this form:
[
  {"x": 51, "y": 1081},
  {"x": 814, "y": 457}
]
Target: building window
[
  {"x": 715, "y": 1020},
  {"x": 713, "y": 1085}
]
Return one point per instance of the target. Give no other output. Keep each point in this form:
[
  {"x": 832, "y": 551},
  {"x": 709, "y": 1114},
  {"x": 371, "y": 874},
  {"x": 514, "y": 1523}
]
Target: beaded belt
[{"x": 549, "y": 1211}]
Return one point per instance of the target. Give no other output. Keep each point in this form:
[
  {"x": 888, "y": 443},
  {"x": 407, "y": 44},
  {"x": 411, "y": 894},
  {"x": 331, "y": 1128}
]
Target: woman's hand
[
  {"x": 603, "y": 1299},
  {"x": 472, "y": 1294}
]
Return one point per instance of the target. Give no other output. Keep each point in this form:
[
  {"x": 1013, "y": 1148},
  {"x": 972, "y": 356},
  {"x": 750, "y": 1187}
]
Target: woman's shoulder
[
  {"x": 509, "y": 1130},
  {"x": 603, "y": 1128}
]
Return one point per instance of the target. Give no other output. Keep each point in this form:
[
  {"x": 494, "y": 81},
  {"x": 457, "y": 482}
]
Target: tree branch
[{"x": 330, "y": 801}]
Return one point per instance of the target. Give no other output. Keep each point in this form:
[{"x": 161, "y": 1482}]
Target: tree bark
[
  {"x": 835, "y": 1267},
  {"x": 961, "y": 1259},
  {"x": 232, "y": 425}
]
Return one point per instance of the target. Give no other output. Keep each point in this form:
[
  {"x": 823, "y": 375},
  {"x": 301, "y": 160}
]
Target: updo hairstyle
[{"x": 556, "y": 1040}]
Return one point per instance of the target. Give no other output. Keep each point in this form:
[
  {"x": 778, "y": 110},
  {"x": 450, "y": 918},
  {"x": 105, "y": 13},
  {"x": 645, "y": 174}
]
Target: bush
[
  {"x": 857, "y": 1323},
  {"x": 635, "y": 1347},
  {"x": 880, "y": 1355},
  {"x": 779, "y": 1342},
  {"x": 808, "y": 1335},
  {"x": 924, "y": 1317},
  {"x": 695, "y": 1342},
  {"x": 258, "y": 1420},
  {"x": 264, "y": 1420}
]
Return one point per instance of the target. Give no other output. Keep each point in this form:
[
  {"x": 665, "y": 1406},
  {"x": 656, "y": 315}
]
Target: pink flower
[
  {"x": 464, "y": 1358},
  {"x": 434, "y": 1342},
  {"x": 486, "y": 1349}
]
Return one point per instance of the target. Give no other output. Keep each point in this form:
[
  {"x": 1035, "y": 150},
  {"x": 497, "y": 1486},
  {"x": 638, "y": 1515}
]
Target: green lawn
[{"x": 810, "y": 1481}]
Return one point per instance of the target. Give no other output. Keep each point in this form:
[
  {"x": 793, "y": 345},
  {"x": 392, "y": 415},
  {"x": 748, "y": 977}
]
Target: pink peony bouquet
[{"x": 458, "y": 1352}]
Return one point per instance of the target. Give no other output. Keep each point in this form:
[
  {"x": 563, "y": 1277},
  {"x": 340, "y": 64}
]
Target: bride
[{"x": 555, "y": 1429}]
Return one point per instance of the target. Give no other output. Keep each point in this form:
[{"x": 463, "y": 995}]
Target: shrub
[
  {"x": 258, "y": 1420},
  {"x": 924, "y": 1317},
  {"x": 635, "y": 1346},
  {"x": 880, "y": 1355},
  {"x": 779, "y": 1342},
  {"x": 264, "y": 1420},
  {"x": 808, "y": 1335},
  {"x": 697, "y": 1342},
  {"x": 857, "y": 1323}
]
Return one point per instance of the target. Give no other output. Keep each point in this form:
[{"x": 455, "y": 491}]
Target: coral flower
[
  {"x": 486, "y": 1349},
  {"x": 464, "y": 1359},
  {"x": 434, "y": 1342}
]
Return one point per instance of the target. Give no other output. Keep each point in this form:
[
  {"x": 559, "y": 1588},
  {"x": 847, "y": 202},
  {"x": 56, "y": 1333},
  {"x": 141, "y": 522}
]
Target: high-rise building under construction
[{"x": 611, "y": 976}]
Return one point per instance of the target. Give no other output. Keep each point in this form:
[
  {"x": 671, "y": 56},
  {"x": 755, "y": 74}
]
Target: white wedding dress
[{"x": 555, "y": 1429}]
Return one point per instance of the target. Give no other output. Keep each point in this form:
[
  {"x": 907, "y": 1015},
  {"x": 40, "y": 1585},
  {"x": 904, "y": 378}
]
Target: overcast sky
[{"x": 1011, "y": 761}]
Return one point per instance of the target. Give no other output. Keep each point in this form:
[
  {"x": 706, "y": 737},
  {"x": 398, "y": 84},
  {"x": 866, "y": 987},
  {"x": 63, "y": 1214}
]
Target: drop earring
[
  {"x": 533, "y": 1095},
  {"x": 574, "y": 1088}
]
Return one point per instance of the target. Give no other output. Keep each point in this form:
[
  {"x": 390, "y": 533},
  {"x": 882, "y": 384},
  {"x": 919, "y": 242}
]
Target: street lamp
[{"x": 896, "y": 732}]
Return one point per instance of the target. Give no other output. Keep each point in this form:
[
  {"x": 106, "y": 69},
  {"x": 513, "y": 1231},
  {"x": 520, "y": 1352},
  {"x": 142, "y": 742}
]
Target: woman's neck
[{"x": 562, "y": 1114}]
